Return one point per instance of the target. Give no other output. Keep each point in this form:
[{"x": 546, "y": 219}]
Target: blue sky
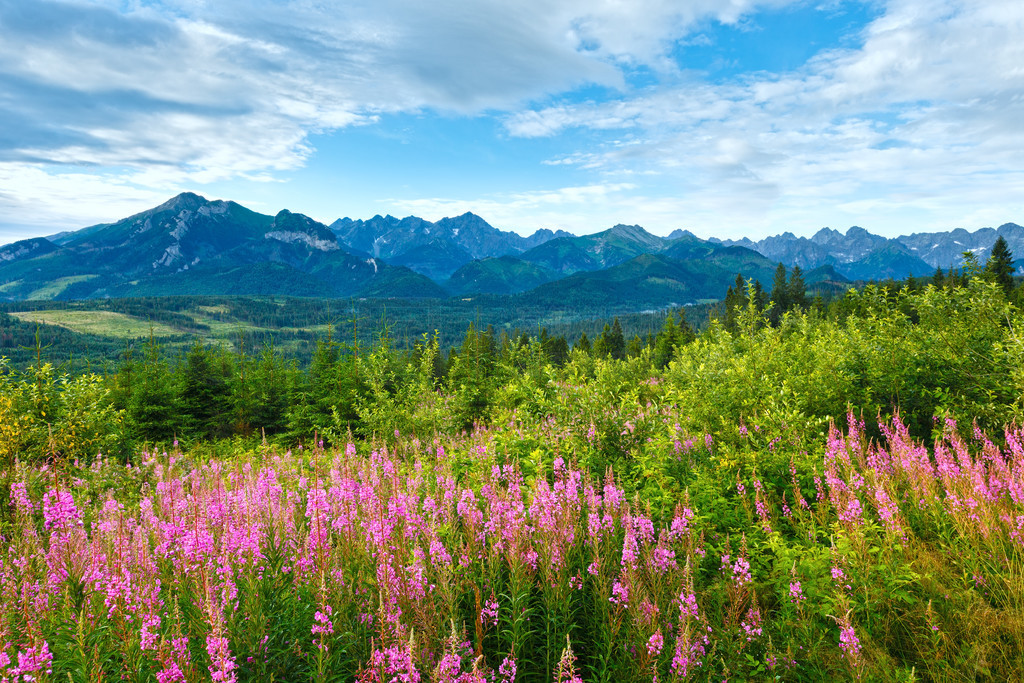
[{"x": 725, "y": 117}]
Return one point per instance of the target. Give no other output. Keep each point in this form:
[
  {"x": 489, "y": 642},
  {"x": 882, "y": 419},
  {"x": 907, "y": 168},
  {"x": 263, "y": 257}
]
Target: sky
[{"x": 728, "y": 118}]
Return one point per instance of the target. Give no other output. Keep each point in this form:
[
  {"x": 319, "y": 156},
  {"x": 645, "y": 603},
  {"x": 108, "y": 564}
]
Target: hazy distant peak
[
  {"x": 622, "y": 228},
  {"x": 680, "y": 233}
]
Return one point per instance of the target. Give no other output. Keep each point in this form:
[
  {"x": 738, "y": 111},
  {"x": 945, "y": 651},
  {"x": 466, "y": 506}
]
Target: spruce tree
[
  {"x": 271, "y": 379},
  {"x": 557, "y": 350},
  {"x": 780, "y": 294},
  {"x": 601, "y": 343},
  {"x": 1000, "y": 265},
  {"x": 636, "y": 345},
  {"x": 583, "y": 344},
  {"x": 735, "y": 301},
  {"x": 796, "y": 289},
  {"x": 204, "y": 393},
  {"x": 153, "y": 410},
  {"x": 686, "y": 332},
  {"x": 665, "y": 344},
  {"x": 616, "y": 341},
  {"x": 760, "y": 296}
]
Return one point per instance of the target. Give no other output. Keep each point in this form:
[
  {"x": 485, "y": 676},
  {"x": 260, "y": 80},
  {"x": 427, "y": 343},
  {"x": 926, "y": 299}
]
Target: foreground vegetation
[{"x": 818, "y": 493}]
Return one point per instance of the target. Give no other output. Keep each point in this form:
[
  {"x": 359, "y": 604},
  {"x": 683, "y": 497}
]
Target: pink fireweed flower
[
  {"x": 395, "y": 663},
  {"x": 839, "y": 577},
  {"x": 848, "y": 641},
  {"x": 741, "y": 572},
  {"x": 796, "y": 593},
  {"x": 655, "y": 643},
  {"x": 649, "y": 611},
  {"x": 620, "y": 594},
  {"x": 489, "y": 612},
  {"x": 751, "y": 624},
  {"x": 322, "y": 624},
  {"x": 630, "y": 549},
  {"x": 662, "y": 558},
  {"x": 688, "y": 653},
  {"x": 680, "y": 523},
  {"x": 566, "y": 671},
  {"x": 37, "y": 658},
  {"x": 507, "y": 670},
  {"x": 171, "y": 673},
  {"x": 222, "y": 664},
  {"x": 888, "y": 511},
  {"x": 150, "y": 632},
  {"x": 762, "y": 508},
  {"x": 20, "y": 499},
  {"x": 60, "y": 511},
  {"x": 688, "y": 605}
]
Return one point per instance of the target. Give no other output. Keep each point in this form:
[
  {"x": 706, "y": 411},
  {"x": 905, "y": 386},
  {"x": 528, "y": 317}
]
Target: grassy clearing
[
  {"x": 52, "y": 289},
  {"x": 228, "y": 329},
  {"x": 102, "y": 323},
  {"x": 214, "y": 310}
]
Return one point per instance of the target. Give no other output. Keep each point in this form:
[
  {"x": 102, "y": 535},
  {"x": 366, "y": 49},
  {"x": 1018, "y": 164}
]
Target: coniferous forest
[{"x": 786, "y": 487}]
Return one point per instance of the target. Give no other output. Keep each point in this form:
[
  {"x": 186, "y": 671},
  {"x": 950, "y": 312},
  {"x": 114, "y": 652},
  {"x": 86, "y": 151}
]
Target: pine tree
[
  {"x": 796, "y": 290},
  {"x": 583, "y": 344},
  {"x": 760, "y": 296},
  {"x": 153, "y": 407},
  {"x": 470, "y": 376},
  {"x": 686, "y": 332},
  {"x": 557, "y": 350},
  {"x": 271, "y": 380},
  {"x": 780, "y": 295},
  {"x": 735, "y": 301},
  {"x": 1000, "y": 265},
  {"x": 665, "y": 344},
  {"x": 616, "y": 341},
  {"x": 636, "y": 345},
  {"x": 601, "y": 343},
  {"x": 939, "y": 278}
]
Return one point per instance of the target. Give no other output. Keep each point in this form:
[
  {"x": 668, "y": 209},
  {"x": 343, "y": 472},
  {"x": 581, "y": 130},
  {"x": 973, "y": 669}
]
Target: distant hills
[{"x": 191, "y": 245}]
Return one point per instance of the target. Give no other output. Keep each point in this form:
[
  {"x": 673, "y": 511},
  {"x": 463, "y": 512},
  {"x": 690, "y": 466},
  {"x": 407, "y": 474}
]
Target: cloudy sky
[{"x": 725, "y": 117}]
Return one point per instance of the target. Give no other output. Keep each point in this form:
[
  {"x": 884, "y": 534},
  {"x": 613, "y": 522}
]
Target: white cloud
[
  {"x": 916, "y": 126},
  {"x": 108, "y": 103},
  {"x": 71, "y": 199},
  {"x": 183, "y": 91}
]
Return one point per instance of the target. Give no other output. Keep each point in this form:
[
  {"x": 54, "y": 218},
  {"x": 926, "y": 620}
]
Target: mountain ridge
[{"x": 189, "y": 244}]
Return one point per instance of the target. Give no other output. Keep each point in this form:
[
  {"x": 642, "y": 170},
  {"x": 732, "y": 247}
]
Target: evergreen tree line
[
  {"x": 214, "y": 393},
  {"x": 789, "y": 289}
]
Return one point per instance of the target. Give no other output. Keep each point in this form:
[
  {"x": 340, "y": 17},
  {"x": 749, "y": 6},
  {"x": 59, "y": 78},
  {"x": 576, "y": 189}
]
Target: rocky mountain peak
[{"x": 186, "y": 201}]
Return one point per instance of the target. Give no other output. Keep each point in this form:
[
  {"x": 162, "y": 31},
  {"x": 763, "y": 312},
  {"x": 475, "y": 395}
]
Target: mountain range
[
  {"x": 191, "y": 245},
  {"x": 860, "y": 255}
]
